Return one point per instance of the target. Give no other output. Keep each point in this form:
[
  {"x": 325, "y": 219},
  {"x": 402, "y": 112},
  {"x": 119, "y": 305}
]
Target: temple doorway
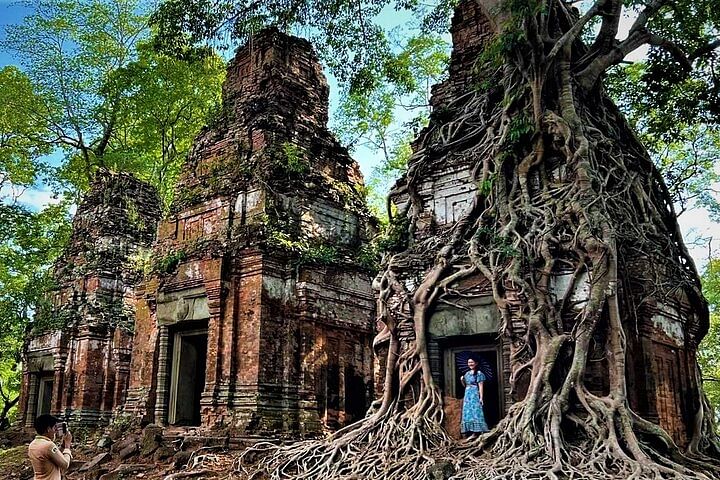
[
  {"x": 45, "y": 392},
  {"x": 488, "y": 352},
  {"x": 187, "y": 380}
]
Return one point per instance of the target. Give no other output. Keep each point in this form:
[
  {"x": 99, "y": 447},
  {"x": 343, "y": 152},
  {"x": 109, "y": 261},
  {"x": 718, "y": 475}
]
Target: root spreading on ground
[{"x": 562, "y": 185}]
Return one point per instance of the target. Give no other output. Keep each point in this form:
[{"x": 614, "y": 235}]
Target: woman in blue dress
[{"x": 473, "y": 418}]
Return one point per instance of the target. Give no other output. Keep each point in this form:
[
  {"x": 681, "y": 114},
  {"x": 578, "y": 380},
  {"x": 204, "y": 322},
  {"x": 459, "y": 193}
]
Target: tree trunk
[
  {"x": 563, "y": 184},
  {"x": 8, "y": 404}
]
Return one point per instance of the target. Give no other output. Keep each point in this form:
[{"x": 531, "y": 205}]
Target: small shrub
[{"x": 169, "y": 262}]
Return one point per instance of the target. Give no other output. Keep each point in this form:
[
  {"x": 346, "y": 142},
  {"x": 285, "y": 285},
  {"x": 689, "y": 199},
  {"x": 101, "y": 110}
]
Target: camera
[{"x": 62, "y": 428}]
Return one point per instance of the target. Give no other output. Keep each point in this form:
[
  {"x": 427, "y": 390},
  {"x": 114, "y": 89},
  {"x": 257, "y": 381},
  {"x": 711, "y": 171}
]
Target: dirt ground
[{"x": 140, "y": 454}]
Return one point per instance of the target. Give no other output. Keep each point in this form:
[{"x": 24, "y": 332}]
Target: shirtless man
[{"x": 49, "y": 461}]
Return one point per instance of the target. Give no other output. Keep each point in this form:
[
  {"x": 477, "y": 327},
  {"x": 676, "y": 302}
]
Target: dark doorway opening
[
  {"x": 355, "y": 395},
  {"x": 489, "y": 354},
  {"x": 45, "y": 392},
  {"x": 187, "y": 381}
]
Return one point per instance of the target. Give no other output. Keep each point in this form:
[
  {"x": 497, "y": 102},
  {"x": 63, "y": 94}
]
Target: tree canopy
[
  {"x": 21, "y": 136},
  {"x": 93, "y": 91},
  {"x": 104, "y": 97},
  {"x": 709, "y": 355},
  {"x": 29, "y": 241}
]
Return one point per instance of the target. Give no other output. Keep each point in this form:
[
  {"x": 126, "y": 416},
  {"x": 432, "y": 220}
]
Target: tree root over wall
[{"x": 609, "y": 206}]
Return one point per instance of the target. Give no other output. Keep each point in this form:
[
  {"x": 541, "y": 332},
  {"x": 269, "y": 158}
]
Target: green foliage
[
  {"x": 318, "y": 254},
  {"x": 168, "y": 263},
  {"x": 305, "y": 251},
  {"x": 679, "y": 129},
  {"x": 68, "y": 50},
  {"x": 293, "y": 161},
  {"x": 485, "y": 187},
  {"x": 489, "y": 239},
  {"x": 29, "y": 242},
  {"x": 142, "y": 261},
  {"x": 395, "y": 236},
  {"x": 369, "y": 257},
  {"x": 133, "y": 215},
  {"x": 385, "y": 174},
  {"x": 521, "y": 8},
  {"x": 369, "y": 116},
  {"x": 673, "y": 101},
  {"x": 709, "y": 351},
  {"x": 164, "y": 103},
  {"x": 22, "y": 137},
  {"x": 49, "y": 319},
  {"x": 496, "y": 51},
  {"x": 521, "y": 127},
  {"x": 107, "y": 98},
  {"x": 347, "y": 36}
]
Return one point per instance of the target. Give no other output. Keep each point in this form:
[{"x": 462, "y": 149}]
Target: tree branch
[
  {"x": 672, "y": 48},
  {"x": 588, "y": 77},
  {"x": 704, "y": 50},
  {"x": 644, "y": 16},
  {"x": 609, "y": 28},
  {"x": 572, "y": 34}
]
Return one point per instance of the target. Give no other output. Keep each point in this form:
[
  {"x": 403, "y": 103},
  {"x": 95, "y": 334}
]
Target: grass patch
[{"x": 14, "y": 462}]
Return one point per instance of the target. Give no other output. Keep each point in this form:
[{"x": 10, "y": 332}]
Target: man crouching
[{"x": 48, "y": 462}]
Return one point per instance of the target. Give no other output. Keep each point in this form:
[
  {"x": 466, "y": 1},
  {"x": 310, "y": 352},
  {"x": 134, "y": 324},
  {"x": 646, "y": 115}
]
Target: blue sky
[{"x": 12, "y": 12}]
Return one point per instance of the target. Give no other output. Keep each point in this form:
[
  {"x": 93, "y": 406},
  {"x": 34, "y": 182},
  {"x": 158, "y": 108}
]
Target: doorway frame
[
  {"x": 45, "y": 380},
  {"x": 450, "y": 374},
  {"x": 175, "y": 368}
]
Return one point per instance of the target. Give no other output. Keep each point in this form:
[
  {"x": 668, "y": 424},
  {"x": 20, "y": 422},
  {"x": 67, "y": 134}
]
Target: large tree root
[
  {"x": 529, "y": 219},
  {"x": 383, "y": 445}
]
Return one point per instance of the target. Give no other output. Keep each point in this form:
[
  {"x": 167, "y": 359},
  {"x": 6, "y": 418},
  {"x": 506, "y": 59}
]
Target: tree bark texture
[{"x": 561, "y": 184}]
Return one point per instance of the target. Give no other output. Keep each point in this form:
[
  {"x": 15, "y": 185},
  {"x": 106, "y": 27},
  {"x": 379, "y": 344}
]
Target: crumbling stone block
[
  {"x": 150, "y": 440},
  {"x": 95, "y": 462},
  {"x": 104, "y": 442},
  {"x": 124, "y": 443},
  {"x": 163, "y": 453},
  {"x": 129, "y": 451}
]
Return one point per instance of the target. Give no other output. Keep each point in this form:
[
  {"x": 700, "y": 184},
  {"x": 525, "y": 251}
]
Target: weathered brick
[
  {"x": 286, "y": 340},
  {"x": 81, "y": 351}
]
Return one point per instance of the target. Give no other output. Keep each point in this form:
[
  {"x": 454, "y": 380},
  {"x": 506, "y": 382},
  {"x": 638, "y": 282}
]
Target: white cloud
[
  {"x": 38, "y": 199},
  {"x": 33, "y": 198}
]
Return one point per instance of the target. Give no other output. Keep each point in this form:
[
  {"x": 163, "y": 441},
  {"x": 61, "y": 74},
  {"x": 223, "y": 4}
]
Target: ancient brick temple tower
[
  {"x": 259, "y": 316},
  {"x": 662, "y": 342},
  {"x": 77, "y": 357}
]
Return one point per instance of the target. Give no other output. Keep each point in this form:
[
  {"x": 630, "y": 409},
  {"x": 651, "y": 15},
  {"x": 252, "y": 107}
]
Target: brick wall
[{"x": 85, "y": 342}]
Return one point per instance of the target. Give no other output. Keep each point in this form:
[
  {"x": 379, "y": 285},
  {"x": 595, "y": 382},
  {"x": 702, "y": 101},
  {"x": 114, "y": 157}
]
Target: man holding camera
[{"x": 48, "y": 460}]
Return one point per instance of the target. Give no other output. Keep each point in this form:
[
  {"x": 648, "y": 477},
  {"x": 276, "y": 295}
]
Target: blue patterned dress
[{"x": 473, "y": 418}]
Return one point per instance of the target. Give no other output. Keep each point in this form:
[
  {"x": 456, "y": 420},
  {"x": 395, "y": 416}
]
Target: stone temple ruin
[
  {"x": 257, "y": 311},
  {"x": 77, "y": 357},
  {"x": 244, "y": 327},
  {"x": 257, "y": 315},
  {"x": 661, "y": 353}
]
